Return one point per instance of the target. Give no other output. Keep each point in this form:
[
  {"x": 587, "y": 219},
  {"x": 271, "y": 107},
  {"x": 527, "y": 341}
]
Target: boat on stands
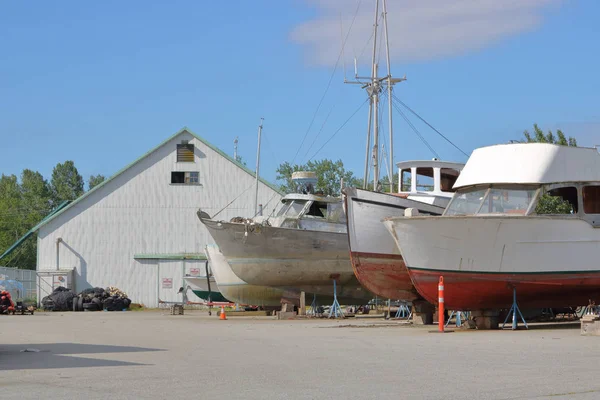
[
  {"x": 378, "y": 265},
  {"x": 524, "y": 217},
  {"x": 205, "y": 288},
  {"x": 237, "y": 290},
  {"x": 304, "y": 247}
]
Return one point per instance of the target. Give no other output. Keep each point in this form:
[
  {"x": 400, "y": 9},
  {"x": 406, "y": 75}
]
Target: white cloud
[{"x": 418, "y": 29}]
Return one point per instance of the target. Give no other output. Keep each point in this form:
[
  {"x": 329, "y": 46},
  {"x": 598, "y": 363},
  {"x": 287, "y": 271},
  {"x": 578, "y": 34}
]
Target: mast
[
  {"x": 389, "y": 87},
  {"x": 373, "y": 84},
  {"x": 257, "y": 167},
  {"x": 375, "y": 98}
]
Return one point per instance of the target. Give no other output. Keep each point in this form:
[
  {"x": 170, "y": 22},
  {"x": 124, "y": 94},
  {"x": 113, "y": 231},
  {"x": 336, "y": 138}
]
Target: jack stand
[
  {"x": 335, "y": 311},
  {"x": 459, "y": 316},
  {"x": 514, "y": 309},
  {"x": 403, "y": 312},
  {"x": 314, "y": 307}
]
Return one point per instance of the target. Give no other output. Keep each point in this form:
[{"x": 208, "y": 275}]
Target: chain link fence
[{"x": 27, "y": 278}]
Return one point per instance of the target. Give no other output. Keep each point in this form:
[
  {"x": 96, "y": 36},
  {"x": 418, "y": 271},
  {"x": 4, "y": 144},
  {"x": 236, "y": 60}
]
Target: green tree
[
  {"x": 95, "y": 180},
  {"x": 329, "y": 175},
  {"x": 66, "y": 182},
  {"x": 22, "y": 206},
  {"x": 538, "y": 136},
  {"x": 553, "y": 205}
]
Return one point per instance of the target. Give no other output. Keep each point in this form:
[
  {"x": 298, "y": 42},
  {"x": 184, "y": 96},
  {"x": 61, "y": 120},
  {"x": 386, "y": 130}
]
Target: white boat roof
[
  {"x": 429, "y": 163},
  {"x": 309, "y": 197},
  {"x": 530, "y": 163}
]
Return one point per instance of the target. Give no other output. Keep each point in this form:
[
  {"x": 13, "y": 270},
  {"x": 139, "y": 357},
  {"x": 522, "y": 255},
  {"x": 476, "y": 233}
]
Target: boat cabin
[
  {"x": 530, "y": 179},
  {"x": 428, "y": 181},
  {"x": 309, "y": 210}
]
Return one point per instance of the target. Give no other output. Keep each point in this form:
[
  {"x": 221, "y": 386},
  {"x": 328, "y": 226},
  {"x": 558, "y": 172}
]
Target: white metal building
[{"x": 138, "y": 230}]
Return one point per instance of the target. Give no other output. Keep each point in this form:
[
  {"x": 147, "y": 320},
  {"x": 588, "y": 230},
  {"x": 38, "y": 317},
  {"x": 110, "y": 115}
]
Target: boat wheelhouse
[{"x": 425, "y": 185}]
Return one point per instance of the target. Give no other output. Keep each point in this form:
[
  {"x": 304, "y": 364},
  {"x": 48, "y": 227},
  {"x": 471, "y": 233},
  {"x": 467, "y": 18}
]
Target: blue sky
[{"x": 101, "y": 83}]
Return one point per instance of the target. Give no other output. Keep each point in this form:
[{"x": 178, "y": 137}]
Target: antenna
[
  {"x": 342, "y": 38},
  {"x": 260, "y": 127},
  {"x": 355, "y": 69},
  {"x": 235, "y": 148}
]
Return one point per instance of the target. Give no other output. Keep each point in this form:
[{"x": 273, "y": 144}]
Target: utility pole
[{"x": 257, "y": 167}]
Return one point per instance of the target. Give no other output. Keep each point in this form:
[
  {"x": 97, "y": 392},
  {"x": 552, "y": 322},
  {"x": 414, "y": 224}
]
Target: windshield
[
  {"x": 491, "y": 201},
  {"x": 293, "y": 210}
]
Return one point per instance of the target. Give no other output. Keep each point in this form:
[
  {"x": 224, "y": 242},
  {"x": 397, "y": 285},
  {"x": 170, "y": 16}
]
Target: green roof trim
[
  {"x": 191, "y": 256},
  {"x": 120, "y": 172},
  {"x": 32, "y": 230}
]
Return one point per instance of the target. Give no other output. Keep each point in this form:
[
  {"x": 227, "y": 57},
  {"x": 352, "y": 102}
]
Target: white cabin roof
[
  {"x": 530, "y": 163},
  {"x": 429, "y": 163}
]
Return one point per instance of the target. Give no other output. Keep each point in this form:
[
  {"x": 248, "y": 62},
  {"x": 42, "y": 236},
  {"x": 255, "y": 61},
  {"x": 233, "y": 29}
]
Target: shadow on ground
[{"x": 59, "y": 355}]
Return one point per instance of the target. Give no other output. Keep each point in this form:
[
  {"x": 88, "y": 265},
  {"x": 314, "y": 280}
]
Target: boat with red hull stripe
[
  {"x": 384, "y": 274},
  {"x": 473, "y": 291}
]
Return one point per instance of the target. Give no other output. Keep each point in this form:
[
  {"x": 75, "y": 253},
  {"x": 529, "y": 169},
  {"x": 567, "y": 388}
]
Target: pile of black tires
[
  {"x": 61, "y": 299},
  {"x": 98, "y": 299},
  {"x": 93, "y": 299}
]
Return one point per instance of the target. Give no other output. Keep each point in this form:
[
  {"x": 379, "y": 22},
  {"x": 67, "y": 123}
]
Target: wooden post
[{"x": 302, "y": 309}]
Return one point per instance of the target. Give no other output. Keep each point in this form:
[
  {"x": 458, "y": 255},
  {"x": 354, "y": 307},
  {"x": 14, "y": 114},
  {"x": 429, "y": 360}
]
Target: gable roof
[{"x": 120, "y": 172}]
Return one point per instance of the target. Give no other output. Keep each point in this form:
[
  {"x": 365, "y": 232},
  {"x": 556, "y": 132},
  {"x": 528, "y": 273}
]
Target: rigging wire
[
  {"x": 237, "y": 197},
  {"x": 328, "y": 83},
  {"x": 340, "y": 128},
  {"x": 318, "y": 133},
  {"x": 415, "y": 130},
  {"x": 429, "y": 125}
]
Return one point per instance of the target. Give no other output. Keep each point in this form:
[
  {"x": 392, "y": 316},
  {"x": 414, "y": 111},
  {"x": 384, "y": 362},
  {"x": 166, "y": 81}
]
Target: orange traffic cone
[{"x": 223, "y": 316}]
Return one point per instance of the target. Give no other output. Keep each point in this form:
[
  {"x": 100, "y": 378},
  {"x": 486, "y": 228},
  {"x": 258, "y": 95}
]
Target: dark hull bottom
[
  {"x": 214, "y": 296},
  {"x": 475, "y": 291}
]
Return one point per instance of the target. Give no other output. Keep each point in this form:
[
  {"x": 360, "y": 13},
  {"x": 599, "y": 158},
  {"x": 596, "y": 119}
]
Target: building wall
[{"x": 141, "y": 212}]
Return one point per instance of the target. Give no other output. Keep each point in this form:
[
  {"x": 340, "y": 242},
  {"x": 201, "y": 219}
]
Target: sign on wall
[
  {"x": 60, "y": 280},
  {"x": 167, "y": 283},
  {"x": 195, "y": 271}
]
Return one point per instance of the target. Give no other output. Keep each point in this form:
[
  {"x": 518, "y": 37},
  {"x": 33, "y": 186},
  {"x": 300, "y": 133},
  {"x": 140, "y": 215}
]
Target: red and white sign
[
  {"x": 167, "y": 283},
  {"x": 195, "y": 271}
]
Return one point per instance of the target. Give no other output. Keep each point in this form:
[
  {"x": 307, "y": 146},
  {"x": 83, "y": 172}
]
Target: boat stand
[
  {"x": 314, "y": 307},
  {"x": 335, "y": 311},
  {"x": 404, "y": 311},
  {"x": 514, "y": 309},
  {"x": 459, "y": 317}
]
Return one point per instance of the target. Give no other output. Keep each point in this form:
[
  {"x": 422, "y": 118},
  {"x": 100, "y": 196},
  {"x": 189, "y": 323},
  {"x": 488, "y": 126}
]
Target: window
[
  {"x": 406, "y": 179},
  {"x": 186, "y": 178},
  {"x": 185, "y": 152},
  {"x": 465, "y": 203},
  {"x": 317, "y": 209},
  {"x": 558, "y": 201},
  {"x": 448, "y": 177},
  {"x": 504, "y": 201},
  {"x": 491, "y": 201},
  {"x": 335, "y": 213},
  {"x": 425, "y": 179},
  {"x": 591, "y": 199}
]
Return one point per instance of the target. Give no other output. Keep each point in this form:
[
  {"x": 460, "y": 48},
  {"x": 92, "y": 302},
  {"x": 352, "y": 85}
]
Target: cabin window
[
  {"x": 295, "y": 208},
  {"x": 466, "y": 202},
  {"x": 558, "y": 201},
  {"x": 504, "y": 201},
  {"x": 317, "y": 209},
  {"x": 185, "y": 178},
  {"x": 335, "y": 212},
  {"x": 591, "y": 199},
  {"x": 425, "y": 179},
  {"x": 448, "y": 177},
  {"x": 185, "y": 152},
  {"x": 406, "y": 179}
]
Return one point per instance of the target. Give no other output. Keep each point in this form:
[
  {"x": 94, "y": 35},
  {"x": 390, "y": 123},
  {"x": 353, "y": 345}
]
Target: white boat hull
[{"x": 552, "y": 261}]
